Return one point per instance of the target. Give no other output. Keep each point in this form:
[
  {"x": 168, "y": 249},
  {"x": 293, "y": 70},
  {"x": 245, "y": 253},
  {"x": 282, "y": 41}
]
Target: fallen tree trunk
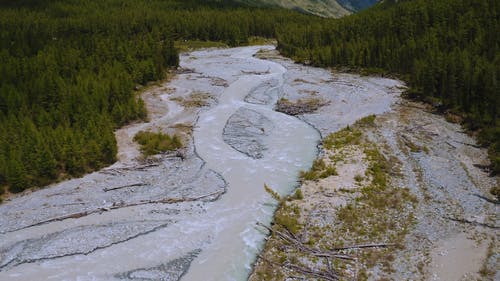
[
  {"x": 475, "y": 223},
  {"x": 123, "y": 186},
  {"x": 291, "y": 241},
  {"x": 305, "y": 271}
]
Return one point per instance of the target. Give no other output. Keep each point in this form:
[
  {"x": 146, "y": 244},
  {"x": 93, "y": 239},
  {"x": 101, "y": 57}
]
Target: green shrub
[
  {"x": 287, "y": 221},
  {"x": 358, "y": 178},
  {"x": 342, "y": 138},
  {"x": 155, "y": 143},
  {"x": 298, "y": 194},
  {"x": 367, "y": 121},
  {"x": 2, "y": 191},
  {"x": 319, "y": 170},
  {"x": 379, "y": 167},
  {"x": 496, "y": 192},
  {"x": 275, "y": 195}
]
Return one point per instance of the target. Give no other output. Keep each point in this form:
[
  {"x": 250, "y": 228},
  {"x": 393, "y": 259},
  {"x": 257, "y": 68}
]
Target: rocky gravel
[
  {"x": 265, "y": 93},
  {"x": 244, "y": 131},
  {"x": 455, "y": 236},
  {"x": 70, "y": 242},
  {"x": 156, "y": 219},
  {"x": 171, "y": 271}
]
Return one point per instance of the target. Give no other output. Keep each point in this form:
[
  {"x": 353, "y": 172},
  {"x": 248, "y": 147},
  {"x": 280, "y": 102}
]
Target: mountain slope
[
  {"x": 357, "y": 5},
  {"x": 324, "y": 8}
]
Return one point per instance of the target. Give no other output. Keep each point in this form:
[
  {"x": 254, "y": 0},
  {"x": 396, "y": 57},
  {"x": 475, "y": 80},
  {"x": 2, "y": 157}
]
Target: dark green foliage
[
  {"x": 275, "y": 195},
  {"x": 357, "y": 5},
  {"x": 154, "y": 143},
  {"x": 367, "y": 121},
  {"x": 346, "y": 136},
  {"x": 298, "y": 194},
  {"x": 447, "y": 50},
  {"x": 68, "y": 69},
  {"x": 319, "y": 170}
]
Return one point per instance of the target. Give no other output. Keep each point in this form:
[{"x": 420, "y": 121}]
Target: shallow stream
[{"x": 215, "y": 195}]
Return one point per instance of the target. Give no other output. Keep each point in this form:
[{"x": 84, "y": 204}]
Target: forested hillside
[
  {"x": 323, "y": 8},
  {"x": 447, "y": 50},
  {"x": 68, "y": 69},
  {"x": 357, "y": 5}
]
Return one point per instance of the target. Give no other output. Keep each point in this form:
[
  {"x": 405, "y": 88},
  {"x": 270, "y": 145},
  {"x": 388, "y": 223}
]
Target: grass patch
[
  {"x": 368, "y": 121},
  {"x": 378, "y": 169},
  {"x": 349, "y": 135},
  {"x": 287, "y": 217},
  {"x": 358, "y": 178},
  {"x": 194, "y": 100},
  {"x": 380, "y": 213},
  {"x": 485, "y": 271},
  {"x": 287, "y": 214},
  {"x": 376, "y": 212},
  {"x": 191, "y": 45},
  {"x": 319, "y": 170},
  {"x": 155, "y": 143},
  {"x": 298, "y": 194},
  {"x": 257, "y": 40},
  {"x": 346, "y": 136}
]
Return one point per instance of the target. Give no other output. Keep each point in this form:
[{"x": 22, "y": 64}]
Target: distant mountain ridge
[
  {"x": 324, "y": 8},
  {"x": 357, "y": 5}
]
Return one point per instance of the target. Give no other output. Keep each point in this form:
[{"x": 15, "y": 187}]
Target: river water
[
  {"x": 218, "y": 237},
  {"x": 107, "y": 226},
  {"x": 291, "y": 147}
]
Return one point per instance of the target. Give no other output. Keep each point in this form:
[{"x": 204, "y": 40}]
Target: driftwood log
[
  {"x": 123, "y": 186},
  {"x": 329, "y": 273}
]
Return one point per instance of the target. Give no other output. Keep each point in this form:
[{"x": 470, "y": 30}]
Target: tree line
[
  {"x": 68, "y": 69},
  {"x": 447, "y": 50}
]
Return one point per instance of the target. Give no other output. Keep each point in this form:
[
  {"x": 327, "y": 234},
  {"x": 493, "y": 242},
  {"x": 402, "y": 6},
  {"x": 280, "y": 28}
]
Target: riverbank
[
  {"x": 160, "y": 216},
  {"x": 407, "y": 184},
  {"x": 178, "y": 216}
]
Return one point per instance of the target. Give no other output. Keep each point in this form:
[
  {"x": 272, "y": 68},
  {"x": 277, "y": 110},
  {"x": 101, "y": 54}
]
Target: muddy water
[{"x": 290, "y": 147}]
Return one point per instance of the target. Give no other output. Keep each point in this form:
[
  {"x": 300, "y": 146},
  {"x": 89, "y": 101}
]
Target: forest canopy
[
  {"x": 68, "y": 70},
  {"x": 448, "y": 51}
]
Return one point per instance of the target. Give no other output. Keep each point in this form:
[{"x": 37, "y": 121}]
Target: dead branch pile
[
  {"x": 290, "y": 241},
  {"x": 301, "y": 106}
]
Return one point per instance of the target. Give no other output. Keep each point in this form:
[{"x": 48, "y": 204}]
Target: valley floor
[
  {"x": 405, "y": 179},
  {"x": 399, "y": 196}
]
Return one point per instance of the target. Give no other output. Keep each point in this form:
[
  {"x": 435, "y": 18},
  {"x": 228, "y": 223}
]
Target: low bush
[
  {"x": 319, "y": 170},
  {"x": 155, "y": 143}
]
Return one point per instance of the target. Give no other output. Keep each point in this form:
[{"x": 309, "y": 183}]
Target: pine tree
[{"x": 16, "y": 176}]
